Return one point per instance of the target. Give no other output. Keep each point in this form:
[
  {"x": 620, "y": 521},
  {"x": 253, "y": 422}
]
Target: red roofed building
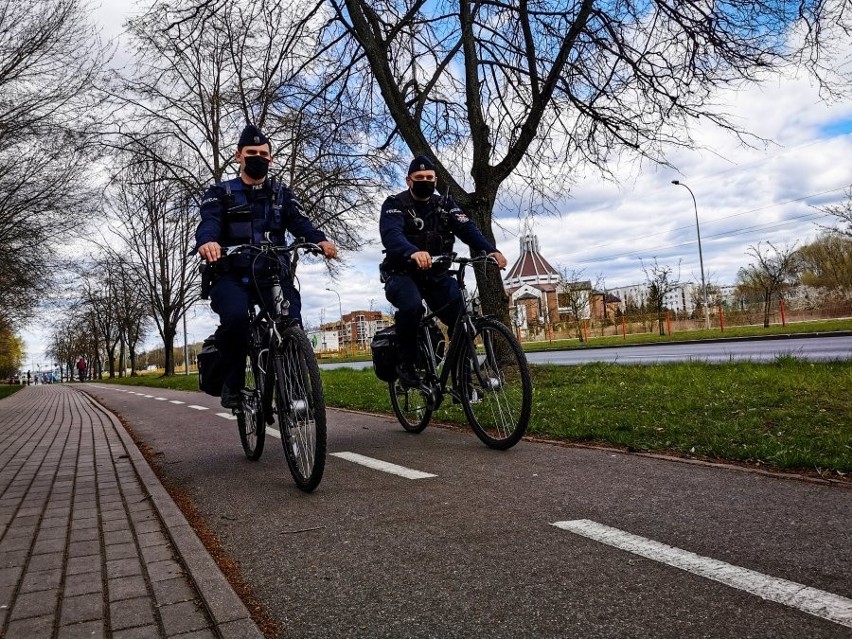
[{"x": 531, "y": 285}]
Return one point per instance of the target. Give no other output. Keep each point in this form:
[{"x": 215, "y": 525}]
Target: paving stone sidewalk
[{"x": 91, "y": 544}]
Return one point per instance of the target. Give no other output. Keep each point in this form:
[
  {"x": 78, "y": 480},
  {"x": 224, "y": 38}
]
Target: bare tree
[
  {"x": 661, "y": 281},
  {"x": 70, "y": 339},
  {"x": 49, "y": 59},
  {"x": 520, "y": 92},
  {"x": 772, "y": 273},
  {"x": 134, "y": 312},
  {"x": 156, "y": 221},
  {"x": 204, "y": 70},
  {"x": 842, "y": 213},
  {"x": 574, "y": 293},
  {"x": 696, "y": 295}
]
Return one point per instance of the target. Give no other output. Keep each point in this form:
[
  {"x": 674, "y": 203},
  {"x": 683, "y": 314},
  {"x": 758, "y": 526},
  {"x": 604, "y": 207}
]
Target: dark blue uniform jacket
[
  {"x": 247, "y": 213},
  {"x": 442, "y": 222}
]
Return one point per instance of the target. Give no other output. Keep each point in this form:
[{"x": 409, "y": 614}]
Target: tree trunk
[
  {"x": 169, "y": 350},
  {"x": 121, "y": 355},
  {"x": 492, "y": 293}
]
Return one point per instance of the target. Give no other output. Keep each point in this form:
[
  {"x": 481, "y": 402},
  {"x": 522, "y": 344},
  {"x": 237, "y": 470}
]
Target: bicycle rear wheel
[
  {"x": 495, "y": 387},
  {"x": 301, "y": 408},
  {"x": 409, "y": 406},
  {"x": 250, "y": 417}
]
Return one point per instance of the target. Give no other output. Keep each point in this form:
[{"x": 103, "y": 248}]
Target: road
[
  {"x": 538, "y": 541},
  {"x": 763, "y": 350},
  {"x": 812, "y": 349}
]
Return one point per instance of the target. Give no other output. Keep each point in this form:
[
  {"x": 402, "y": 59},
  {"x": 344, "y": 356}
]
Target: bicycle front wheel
[
  {"x": 493, "y": 380},
  {"x": 409, "y": 406},
  {"x": 250, "y": 417},
  {"x": 301, "y": 408}
]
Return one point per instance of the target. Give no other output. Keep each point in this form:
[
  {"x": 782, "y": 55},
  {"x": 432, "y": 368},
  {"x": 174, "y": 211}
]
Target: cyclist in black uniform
[
  {"x": 415, "y": 225},
  {"x": 240, "y": 211}
]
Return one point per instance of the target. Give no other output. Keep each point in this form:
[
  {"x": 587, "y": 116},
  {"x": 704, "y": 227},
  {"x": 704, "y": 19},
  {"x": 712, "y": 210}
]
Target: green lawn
[
  {"x": 6, "y": 389},
  {"x": 787, "y": 414}
]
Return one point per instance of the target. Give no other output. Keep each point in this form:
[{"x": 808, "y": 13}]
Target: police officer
[
  {"x": 415, "y": 225},
  {"x": 240, "y": 211}
]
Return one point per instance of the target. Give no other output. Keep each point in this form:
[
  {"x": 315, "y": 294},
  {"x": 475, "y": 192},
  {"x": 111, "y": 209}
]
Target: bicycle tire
[
  {"x": 409, "y": 406},
  {"x": 251, "y": 421},
  {"x": 301, "y": 408},
  {"x": 497, "y": 399}
]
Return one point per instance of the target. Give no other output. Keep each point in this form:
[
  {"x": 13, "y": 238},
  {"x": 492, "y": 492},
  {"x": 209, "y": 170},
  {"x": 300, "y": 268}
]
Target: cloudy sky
[{"x": 743, "y": 195}]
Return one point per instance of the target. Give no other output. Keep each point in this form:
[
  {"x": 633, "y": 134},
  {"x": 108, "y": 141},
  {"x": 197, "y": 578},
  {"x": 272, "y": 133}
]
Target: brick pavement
[{"x": 91, "y": 545}]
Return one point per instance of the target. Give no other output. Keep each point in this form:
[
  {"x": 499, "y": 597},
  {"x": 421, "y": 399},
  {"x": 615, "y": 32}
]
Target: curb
[{"x": 230, "y": 616}]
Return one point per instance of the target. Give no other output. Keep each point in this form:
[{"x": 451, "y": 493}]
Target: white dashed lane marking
[
  {"x": 176, "y": 401},
  {"x": 789, "y": 593},
  {"x": 387, "y": 467},
  {"x": 196, "y": 407}
]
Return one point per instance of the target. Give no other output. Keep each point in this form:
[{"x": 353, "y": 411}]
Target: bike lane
[{"x": 469, "y": 547}]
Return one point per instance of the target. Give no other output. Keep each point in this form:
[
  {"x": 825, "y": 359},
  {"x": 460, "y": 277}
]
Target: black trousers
[
  {"x": 230, "y": 297},
  {"x": 407, "y": 292}
]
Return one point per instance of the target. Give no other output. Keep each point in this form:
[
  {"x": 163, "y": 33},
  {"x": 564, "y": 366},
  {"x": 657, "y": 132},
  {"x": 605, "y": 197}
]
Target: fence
[{"x": 721, "y": 318}]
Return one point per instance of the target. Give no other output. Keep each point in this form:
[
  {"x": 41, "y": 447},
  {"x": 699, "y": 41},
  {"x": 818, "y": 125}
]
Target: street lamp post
[{"x": 700, "y": 255}]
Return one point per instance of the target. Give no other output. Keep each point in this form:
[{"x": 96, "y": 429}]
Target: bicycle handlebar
[
  {"x": 268, "y": 247},
  {"x": 449, "y": 258}
]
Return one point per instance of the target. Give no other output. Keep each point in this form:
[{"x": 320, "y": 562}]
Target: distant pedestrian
[
  {"x": 29, "y": 378},
  {"x": 82, "y": 366}
]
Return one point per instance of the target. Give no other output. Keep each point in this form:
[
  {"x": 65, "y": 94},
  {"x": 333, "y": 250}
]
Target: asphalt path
[
  {"x": 538, "y": 541},
  {"x": 822, "y": 348}
]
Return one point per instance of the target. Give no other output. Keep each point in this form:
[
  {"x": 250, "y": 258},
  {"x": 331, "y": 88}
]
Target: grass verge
[
  {"x": 788, "y": 414},
  {"x": 8, "y": 389}
]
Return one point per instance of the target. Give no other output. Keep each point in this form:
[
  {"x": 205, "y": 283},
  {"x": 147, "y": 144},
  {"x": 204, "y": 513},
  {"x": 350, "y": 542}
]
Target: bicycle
[
  {"x": 282, "y": 375},
  {"x": 484, "y": 365}
]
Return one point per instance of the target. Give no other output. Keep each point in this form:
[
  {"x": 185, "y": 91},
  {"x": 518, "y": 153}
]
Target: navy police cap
[
  {"x": 420, "y": 163},
  {"x": 252, "y": 136}
]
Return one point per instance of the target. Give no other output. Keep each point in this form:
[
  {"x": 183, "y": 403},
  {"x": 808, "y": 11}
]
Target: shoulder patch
[
  {"x": 210, "y": 200},
  {"x": 393, "y": 212},
  {"x": 462, "y": 218}
]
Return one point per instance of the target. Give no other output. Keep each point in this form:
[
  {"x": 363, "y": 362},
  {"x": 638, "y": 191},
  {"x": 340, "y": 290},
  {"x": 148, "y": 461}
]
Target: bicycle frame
[
  {"x": 462, "y": 340},
  {"x": 268, "y": 323}
]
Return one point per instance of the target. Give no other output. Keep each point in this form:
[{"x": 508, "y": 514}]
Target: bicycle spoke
[
  {"x": 495, "y": 386},
  {"x": 410, "y": 407},
  {"x": 301, "y": 409},
  {"x": 250, "y": 418}
]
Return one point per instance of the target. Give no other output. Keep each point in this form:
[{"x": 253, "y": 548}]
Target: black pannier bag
[
  {"x": 384, "y": 354},
  {"x": 211, "y": 369}
]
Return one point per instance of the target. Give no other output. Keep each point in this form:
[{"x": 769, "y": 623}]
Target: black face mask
[
  {"x": 422, "y": 189},
  {"x": 256, "y": 167}
]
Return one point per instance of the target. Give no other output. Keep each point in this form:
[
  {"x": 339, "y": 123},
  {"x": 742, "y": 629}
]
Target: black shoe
[
  {"x": 408, "y": 375},
  {"x": 230, "y": 399}
]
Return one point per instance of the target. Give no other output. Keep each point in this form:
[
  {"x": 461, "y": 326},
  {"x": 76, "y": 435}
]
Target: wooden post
[
  {"x": 781, "y": 308},
  {"x": 721, "y": 318},
  {"x": 668, "y": 324},
  {"x": 623, "y": 328}
]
